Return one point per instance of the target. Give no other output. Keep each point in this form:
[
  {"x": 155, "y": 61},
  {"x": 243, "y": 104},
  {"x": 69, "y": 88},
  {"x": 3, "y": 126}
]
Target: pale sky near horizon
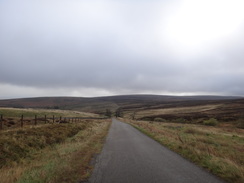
[{"x": 89, "y": 48}]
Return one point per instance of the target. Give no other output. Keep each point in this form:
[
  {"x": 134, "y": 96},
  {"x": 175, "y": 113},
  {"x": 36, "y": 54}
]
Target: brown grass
[
  {"x": 12, "y": 116},
  {"x": 30, "y": 112},
  {"x": 61, "y": 161},
  {"x": 174, "y": 110},
  {"x": 218, "y": 149}
]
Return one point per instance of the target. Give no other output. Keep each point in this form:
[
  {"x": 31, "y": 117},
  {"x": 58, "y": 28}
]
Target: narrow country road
[{"x": 129, "y": 156}]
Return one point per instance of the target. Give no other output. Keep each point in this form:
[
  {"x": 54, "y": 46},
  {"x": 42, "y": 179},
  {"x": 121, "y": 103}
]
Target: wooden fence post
[
  {"x": 53, "y": 118},
  {"x": 1, "y": 122},
  {"x": 60, "y": 119},
  {"x": 35, "y": 119},
  {"x": 21, "y": 121}
]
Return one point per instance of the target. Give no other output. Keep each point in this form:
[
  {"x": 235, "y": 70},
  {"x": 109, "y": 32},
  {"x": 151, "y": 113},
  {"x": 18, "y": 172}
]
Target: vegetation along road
[{"x": 130, "y": 156}]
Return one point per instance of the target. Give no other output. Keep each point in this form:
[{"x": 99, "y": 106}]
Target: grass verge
[
  {"x": 66, "y": 160},
  {"x": 219, "y": 150}
]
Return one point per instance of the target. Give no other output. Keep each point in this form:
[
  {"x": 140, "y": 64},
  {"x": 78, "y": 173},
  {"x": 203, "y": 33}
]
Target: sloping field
[
  {"x": 92, "y": 105},
  {"x": 176, "y": 110},
  {"x": 30, "y": 112},
  {"x": 54, "y": 153},
  {"x": 12, "y": 117},
  {"x": 224, "y": 111},
  {"x": 194, "y": 109},
  {"x": 99, "y": 104}
]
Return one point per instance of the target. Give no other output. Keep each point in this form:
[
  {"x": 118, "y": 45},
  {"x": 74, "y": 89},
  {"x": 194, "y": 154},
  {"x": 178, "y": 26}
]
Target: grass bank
[
  {"x": 219, "y": 150},
  {"x": 51, "y": 153},
  {"x": 17, "y": 112},
  {"x": 12, "y": 117}
]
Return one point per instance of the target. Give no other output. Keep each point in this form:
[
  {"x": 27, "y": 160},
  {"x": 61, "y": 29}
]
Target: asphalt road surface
[{"x": 129, "y": 156}]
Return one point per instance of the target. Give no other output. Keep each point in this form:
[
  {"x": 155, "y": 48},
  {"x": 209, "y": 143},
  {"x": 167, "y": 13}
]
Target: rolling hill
[{"x": 128, "y": 103}]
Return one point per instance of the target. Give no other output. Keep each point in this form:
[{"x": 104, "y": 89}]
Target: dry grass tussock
[
  {"x": 52, "y": 153},
  {"x": 218, "y": 149}
]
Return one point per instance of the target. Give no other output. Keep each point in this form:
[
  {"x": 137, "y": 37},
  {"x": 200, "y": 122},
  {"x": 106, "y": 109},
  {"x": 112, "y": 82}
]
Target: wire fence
[{"x": 8, "y": 122}]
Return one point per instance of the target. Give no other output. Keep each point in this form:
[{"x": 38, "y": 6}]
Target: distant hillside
[
  {"x": 100, "y": 104},
  {"x": 67, "y": 103}
]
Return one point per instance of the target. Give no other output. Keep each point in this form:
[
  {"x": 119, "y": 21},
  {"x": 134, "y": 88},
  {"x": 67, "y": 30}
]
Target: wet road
[{"x": 129, "y": 156}]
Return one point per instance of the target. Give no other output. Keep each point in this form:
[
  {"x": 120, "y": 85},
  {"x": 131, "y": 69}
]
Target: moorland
[
  {"x": 207, "y": 130},
  {"x": 189, "y": 109}
]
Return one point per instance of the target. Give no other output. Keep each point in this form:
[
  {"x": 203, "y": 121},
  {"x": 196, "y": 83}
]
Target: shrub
[
  {"x": 180, "y": 120},
  {"x": 211, "y": 122},
  {"x": 159, "y": 120},
  {"x": 146, "y": 119},
  {"x": 240, "y": 123}
]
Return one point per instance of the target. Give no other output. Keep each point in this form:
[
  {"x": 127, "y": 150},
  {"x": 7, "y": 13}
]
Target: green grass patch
[{"x": 211, "y": 122}]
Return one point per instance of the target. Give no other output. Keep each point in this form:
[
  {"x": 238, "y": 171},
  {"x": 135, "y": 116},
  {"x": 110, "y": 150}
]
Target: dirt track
[{"x": 131, "y": 157}]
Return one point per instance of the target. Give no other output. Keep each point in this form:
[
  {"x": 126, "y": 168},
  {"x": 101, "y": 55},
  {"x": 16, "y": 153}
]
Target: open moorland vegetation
[
  {"x": 130, "y": 104},
  {"x": 11, "y": 117},
  {"x": 193, "y": 109},
  {"x": 207, "y": 130},
  {"x": 30, "y": 112},
  {"x": 51, "y": 152}
]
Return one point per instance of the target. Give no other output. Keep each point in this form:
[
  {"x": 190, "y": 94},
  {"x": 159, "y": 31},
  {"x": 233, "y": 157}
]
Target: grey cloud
[{"x": 111, "y": 47}]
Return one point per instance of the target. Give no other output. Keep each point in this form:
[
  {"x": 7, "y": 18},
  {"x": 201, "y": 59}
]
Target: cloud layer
[{"x": 103, "y": 47}]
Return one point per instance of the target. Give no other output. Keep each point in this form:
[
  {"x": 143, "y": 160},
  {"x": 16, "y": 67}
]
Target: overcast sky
[{"x": 92, "y": 48}]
